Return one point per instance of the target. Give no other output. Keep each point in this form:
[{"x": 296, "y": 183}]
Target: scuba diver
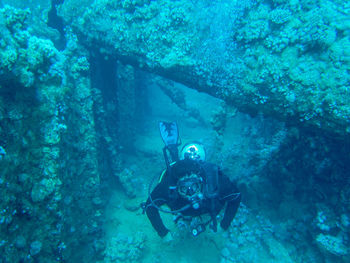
[{"x": 191, "y": 187}]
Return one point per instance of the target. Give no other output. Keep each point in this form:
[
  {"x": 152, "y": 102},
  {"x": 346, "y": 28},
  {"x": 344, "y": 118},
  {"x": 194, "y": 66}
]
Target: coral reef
[
  {"x": 123, "y": 248},
  {"x": 30, "y": 78},
  {"x": 318, "y": 212},
  {"x": 285, "y": 59},
  {"x": 39, "y": 213},
  {"x": 254, "y": 242}
]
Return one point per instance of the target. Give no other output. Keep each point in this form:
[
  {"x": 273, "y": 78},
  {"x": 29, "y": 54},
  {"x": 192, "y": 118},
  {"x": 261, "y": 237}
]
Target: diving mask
[{"x": 190, "y": 186}]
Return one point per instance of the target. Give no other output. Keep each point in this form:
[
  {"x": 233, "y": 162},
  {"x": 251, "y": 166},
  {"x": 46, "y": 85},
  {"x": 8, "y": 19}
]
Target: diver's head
[
  {"x": 194, "y": 151},
  {"x": 190, "y": 186}
]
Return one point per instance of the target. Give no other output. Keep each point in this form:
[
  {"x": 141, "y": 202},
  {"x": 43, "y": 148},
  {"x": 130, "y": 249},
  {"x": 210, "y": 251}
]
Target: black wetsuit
[{"x": 166, "y": 193}]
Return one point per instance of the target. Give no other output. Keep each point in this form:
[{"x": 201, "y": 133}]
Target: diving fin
[
  {"x": 170, "y": 136},
  {"x": 169, "y": 132}
]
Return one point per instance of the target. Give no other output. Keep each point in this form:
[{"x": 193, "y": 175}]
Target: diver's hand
[{"x": 168, "y": 238}]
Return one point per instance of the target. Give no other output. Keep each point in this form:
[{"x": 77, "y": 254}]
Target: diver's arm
[
  {"x": 230, "y": 194},
  {"x": 159, "y": 197}
]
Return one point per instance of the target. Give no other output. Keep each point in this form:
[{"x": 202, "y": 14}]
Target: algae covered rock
[
  {"x": 42, "y": 190},
  {"x": 125, "y": 248},
  {"x": 35, "y": 247},
  {"x": 36, "y": 85},
  {"x": 20, "y": 242},
  {"x": 332, "y": 244},
  {"x": 130, "y": 181}
]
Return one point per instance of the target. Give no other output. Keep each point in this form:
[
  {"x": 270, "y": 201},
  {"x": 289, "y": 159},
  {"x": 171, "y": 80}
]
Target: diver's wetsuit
[{"x": 164, "y": 193}]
